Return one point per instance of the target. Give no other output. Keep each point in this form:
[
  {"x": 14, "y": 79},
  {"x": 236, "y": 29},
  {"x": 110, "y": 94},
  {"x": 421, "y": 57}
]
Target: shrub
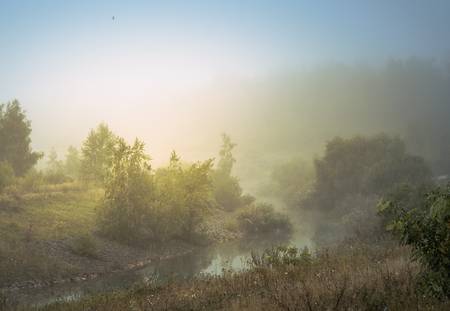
[
  {"x": 263, "y": 219},
  {"x": 426, "y": 228},
  {"x": 31, "y": 182},
  {"x": 84, "y": 245}
]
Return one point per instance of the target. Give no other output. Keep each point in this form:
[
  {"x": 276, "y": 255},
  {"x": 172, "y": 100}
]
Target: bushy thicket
[
  {"x": 141, "y": 204},
  {"x": 422, "y": 221},
  {"x": 351, "y": 177},
  {"x": 261, "y": 218}
]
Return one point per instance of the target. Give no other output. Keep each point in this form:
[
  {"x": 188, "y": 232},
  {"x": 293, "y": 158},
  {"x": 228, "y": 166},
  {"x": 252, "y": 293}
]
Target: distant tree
[
  {"x": 73, "y": 162},
  {"x": 55, "y": 171},
  {"x": 226, "y": 159},
  {"x": 367, "y": 166},
  {"x": 227, "y": 190},
  {"x": 97, "y": 153},
  {"x": 15, "y": 141},
  {"x": 291, "y": 181}
]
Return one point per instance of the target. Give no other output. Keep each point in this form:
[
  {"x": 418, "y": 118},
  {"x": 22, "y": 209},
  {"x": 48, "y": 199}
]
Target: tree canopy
[{"x": 15, "y": 141}]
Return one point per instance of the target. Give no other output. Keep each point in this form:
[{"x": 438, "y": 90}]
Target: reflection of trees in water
[{"x": 184, "y": 266}]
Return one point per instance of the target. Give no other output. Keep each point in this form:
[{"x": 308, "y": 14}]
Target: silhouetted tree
[{"x": 15, "y": 141}]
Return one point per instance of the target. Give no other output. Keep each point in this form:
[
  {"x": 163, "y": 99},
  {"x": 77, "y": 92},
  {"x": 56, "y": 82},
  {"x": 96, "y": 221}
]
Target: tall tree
[
  {"x": 97, "y": 153},
  {"x": 15, "y": 141},
  {"x": 227, "y": 190}
]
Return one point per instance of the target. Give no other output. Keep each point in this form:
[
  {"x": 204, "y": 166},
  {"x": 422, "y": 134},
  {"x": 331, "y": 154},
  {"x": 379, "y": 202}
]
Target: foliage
[
  {"x": 183, "y": 197},
  {"x": 227, "y": 191},
  {"x": 368, "y": 166},
  {"x": 263, "y": 219},
  {"x": 357, "y": 279},
  {"x": 425, "y": 226},
  {"x": 72, "y": 163},
  {"x": 97, "y": 153},
  {"x": 141, "y": 205},
  {"x": 55, "y": 171},
  {"x": 6, "y": 175},
  {"x": 15, "y": 142},
  {"x": 128, "y": 193},
  {"x": 291, "y": 181}
]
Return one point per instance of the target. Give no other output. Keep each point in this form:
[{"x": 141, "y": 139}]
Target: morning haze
[{"x": 206, "y": 155}]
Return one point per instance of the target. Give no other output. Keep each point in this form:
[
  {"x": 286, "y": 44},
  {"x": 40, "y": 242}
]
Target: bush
[
  {"x": 84, "y": 245},
  {"x": 426, "y": 228},
  {"x": 6, "y": 175},
  {"x": 31, "y": 182},
  {"x": 263, "y": 219}
]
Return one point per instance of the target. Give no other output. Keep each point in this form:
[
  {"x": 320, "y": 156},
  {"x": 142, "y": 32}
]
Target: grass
[
  {"x": 355, "y": 277},
  {"x": 42, "y": 218}
]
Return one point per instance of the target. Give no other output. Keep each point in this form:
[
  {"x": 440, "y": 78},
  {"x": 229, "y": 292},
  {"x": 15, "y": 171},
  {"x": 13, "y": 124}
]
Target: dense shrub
[
  {"x": 128, "y": 194},
  {"x": 425, "y": 226},
  {"x": 263, "y": 219},
  {"x": 84, "y": 245}
]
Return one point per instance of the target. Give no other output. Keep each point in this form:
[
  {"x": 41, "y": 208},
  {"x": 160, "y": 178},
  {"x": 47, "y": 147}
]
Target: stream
[{"x": 208, "y": 260}]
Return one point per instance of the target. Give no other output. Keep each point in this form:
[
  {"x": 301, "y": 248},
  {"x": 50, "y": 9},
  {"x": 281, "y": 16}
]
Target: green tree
[
  {"x": 55, "y": 172},
  {"x": 424, "y": 224},
  {"x": 97, "y": 153},
  {"x": 15, "y": 141},
  {"x": 184, "y": 195},
  {"x": 128, "y": 194},
  {"x": 365, "y": 166},
  {"x": 227, "y": 191}
]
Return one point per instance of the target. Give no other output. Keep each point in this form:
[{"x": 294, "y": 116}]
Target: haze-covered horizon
[{"x": 177, "y": 75}]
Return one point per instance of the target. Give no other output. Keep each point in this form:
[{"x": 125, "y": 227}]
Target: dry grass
[{"x": 352, "y": 278}]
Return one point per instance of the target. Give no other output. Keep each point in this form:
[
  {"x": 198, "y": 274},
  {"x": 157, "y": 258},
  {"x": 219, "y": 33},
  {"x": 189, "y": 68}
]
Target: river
[{"x": 207, "y": 260}]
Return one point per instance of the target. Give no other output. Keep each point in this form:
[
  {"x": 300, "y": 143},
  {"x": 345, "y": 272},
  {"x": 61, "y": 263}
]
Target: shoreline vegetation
[{"x": 351, "y": 276}]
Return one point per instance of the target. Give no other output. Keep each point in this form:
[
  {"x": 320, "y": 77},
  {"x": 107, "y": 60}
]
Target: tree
[
  {"x": 15, "y": 141},
  {"x": 424, "y": 224},
  {"x": 365, "y": 166},
  {"x": 184, "y": 195},
  {"x": 227, "y": 190},
  {"x": 97, "y": 153},
  {"x": 73, "y": 162},
  {"x": 128, "y": 194},
  {"x": 55, "y": 172}
]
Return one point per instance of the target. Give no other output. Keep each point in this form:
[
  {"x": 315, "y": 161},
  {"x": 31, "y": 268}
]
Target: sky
[{"x": 141, "y": 66}]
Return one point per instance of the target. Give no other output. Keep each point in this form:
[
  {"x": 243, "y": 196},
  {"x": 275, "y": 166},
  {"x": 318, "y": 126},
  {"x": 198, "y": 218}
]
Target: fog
[{"x": 269, "y": 154}]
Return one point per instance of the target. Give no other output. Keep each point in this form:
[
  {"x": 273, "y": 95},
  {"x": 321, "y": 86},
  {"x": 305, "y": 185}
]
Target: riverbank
[
  {"x": 50, "y": 239},
  {"x": 357, "y": 277}
]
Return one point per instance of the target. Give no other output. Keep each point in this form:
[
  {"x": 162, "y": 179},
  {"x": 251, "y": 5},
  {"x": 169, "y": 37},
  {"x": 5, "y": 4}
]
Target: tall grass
[{"x": 350, "y": 278}]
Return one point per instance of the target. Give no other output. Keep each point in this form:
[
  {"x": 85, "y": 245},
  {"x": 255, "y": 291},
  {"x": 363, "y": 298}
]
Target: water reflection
[{"x": 208, "y": 260}]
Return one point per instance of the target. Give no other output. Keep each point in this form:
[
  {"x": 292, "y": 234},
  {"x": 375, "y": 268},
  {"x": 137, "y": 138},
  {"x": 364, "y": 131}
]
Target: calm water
[{"x": 209, "y": 260}]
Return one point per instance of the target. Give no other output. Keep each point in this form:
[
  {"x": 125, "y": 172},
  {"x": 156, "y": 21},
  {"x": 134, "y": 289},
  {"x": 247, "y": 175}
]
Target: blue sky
[{"x": 63, "y": 57}]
